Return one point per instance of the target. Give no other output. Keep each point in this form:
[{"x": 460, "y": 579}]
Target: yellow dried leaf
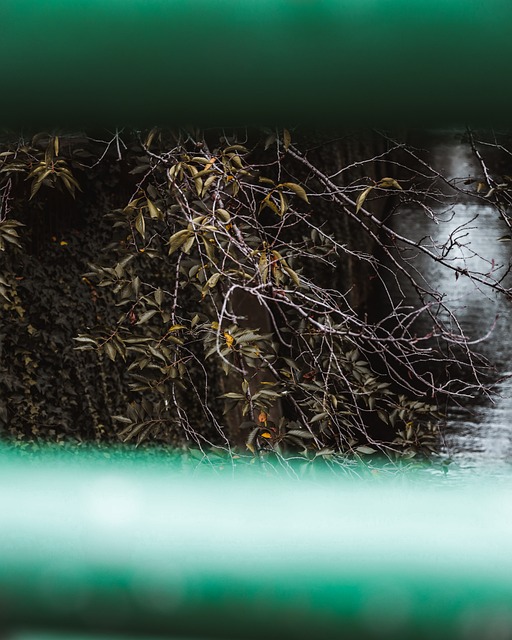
[
  {"x": 176, "y": 327},
  {"x": 262, "y": 417},
  {"x": 297, "y": 190},
  {"x": 293, "y": 275},
  {"x": 229, "y": 339},
  {"x": 266, "y": 434},
  {"x": 283, "y": 205},
  {"x": 263, "y": 266},
  {"x": 389, "y": 183},
  {"x": 212, "y": 281},
  {"x": 267, "y": 202},
  {"x": 150, "y": 137},
  {"x": 223, "y": 215},
  {"x": 362, "y": 197}
]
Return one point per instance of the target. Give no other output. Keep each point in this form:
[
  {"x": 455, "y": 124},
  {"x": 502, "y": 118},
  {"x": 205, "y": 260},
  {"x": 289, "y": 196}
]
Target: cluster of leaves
[
  {"x": 242, "y": 317},
  {"x": 48, "y": 390},
  {"x": 220, "y": 302}
]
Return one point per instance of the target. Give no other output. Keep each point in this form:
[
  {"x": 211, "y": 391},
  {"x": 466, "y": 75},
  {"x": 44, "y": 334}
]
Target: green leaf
[
  {"x": 36, "y": 185},
  {"x": 292, "y": 364},
  {"x": 70, "y": 186},
  {"x": 140, "y": 225},
  {"x": 178, "y": 239},
  {"x": 300, "y": 433},
  {"x": 208, "y": 183},
  {"x": 154, "y": 212},
  {"x": 159, "y": 297},
  {"x": 250, "y": 440},
  {"x": 146, "y": 316},
  {"x": 270, "y": 140},
  {"x": 212, "y": 281},
  {"x": 122, "y": 419},
  {"x": 366, "y": 450},
  {"x": 111, "y": 350},
  {"x": 85, "y": 340},
  {"x": 318, "y": 417},
  {"x": 326, "y": 451},
  {"x": 188, "y": 244},
  {"x": 236, "y": 147}
]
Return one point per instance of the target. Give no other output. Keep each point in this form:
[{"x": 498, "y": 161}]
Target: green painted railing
[
  {"x": 225, "y": 62},
  {"x": 109, "y": 547}
]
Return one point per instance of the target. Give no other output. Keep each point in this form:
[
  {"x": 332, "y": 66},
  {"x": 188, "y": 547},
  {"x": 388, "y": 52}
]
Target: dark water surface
[{"x": 477, "y": 436}]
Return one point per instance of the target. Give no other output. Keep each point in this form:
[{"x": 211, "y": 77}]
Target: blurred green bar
[
  {"x": 86, "y": 63},
  {"x": 111, "y": 547}
]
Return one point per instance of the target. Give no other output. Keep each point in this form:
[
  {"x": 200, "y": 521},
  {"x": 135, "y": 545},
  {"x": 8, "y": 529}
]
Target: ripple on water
[{"x": 480, "y": 440}]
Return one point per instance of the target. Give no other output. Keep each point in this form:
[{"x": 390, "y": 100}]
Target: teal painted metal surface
[
  {"x": 118, "y": 547},
  {"x": 211, "y": 62}
]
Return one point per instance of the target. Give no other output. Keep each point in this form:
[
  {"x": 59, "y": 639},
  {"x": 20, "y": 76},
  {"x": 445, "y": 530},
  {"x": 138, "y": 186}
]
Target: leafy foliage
[{"x": 219, "y": 303}]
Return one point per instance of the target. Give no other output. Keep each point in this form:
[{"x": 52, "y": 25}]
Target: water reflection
[{"x": 471, "y": 230}]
